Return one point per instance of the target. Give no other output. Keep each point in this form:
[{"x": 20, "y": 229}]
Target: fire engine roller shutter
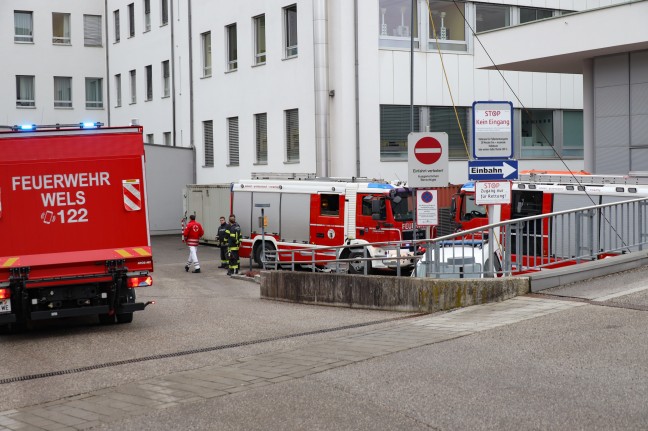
[
  {"x": 612, "y": 232},
  {"x": 567, "y": 227},
  {"x": 295, "y": 222},
  {"x": 272, "y": 212}
]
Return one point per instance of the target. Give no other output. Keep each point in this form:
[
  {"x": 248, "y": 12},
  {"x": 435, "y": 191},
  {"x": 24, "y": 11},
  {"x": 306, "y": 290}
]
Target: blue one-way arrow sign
[{"x": 479, "y": 170}]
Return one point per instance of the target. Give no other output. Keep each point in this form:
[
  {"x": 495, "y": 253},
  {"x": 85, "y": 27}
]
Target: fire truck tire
[
  {"x": 257, "y": 252},
  {"x": 357, "y": 267},
  {"x": 124, "y": 317},
  {"x": 106, "y": 319}
]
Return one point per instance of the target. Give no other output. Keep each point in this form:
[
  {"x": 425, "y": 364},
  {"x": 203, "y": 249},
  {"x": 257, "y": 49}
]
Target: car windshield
[
  {"x": 472, "y": 208},
  {"x": 402, "y": 207}
]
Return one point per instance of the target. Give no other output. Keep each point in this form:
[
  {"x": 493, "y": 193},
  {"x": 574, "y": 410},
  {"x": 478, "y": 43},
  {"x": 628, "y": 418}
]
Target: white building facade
[{"x": 308, "y": 86}]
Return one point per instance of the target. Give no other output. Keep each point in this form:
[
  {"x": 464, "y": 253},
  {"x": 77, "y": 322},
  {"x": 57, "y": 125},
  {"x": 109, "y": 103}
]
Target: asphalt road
[{"x": 580, "y": 368}]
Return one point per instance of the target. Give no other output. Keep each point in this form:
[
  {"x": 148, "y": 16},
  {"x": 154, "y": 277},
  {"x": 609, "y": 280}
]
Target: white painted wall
[{"x": 44, "y": 60}]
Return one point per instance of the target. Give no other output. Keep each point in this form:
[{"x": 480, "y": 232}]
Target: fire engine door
[
  {"x": 371, "y": 218},
  {"x": 327, "y": 219}
]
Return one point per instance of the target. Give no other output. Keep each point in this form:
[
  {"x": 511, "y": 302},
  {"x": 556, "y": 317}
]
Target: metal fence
[{"x": 511, "y": 247}]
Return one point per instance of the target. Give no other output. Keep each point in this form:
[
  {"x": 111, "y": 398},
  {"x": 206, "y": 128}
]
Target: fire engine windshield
[
  {"x": 471, "y": 209},
  {"x": 402, "y": 206}
]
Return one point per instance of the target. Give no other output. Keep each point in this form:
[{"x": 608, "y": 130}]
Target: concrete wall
[
  {"x": 388, "y": 293},
  {"x": 168, "y": 171}
]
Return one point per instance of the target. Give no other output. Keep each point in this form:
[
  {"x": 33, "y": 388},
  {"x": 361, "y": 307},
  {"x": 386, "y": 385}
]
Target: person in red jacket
[{"x": 191, "y": 234}]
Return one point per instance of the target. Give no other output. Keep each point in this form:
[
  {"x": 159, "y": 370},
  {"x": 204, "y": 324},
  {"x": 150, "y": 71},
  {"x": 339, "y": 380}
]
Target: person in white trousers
[{"x": 191, "y": 236}]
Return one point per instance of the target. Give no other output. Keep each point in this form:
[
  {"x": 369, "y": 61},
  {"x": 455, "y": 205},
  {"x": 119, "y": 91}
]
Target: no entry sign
[{"x": 427, "y": 161}]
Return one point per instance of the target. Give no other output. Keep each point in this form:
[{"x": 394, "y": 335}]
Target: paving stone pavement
[{"x": 245, "y": 374}]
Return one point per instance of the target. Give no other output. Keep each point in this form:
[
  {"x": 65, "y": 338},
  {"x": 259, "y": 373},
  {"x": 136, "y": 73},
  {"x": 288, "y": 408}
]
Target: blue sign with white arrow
[{"x": 480, "y": 170}]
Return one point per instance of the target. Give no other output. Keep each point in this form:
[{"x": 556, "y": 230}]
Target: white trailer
[{"x": 208, "y": 202}]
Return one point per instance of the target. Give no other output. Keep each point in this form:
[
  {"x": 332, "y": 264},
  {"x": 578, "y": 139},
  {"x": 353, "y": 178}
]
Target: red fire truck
[
  {"x": 73, "y": 223},
  {"x": 319, "y": 213}
]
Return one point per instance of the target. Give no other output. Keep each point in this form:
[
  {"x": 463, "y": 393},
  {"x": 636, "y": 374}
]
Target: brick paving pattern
[{"x": 88, "y": 410}]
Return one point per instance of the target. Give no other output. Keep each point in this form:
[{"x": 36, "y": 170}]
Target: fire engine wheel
[
  {"x": 124, "y": 317},
  {"x": 257, "y": 253},
  {"x": 358, "y": 266}
]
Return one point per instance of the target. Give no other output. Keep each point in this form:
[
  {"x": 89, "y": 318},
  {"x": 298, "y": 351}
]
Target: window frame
[
  {"x": 233, "y": 142},
  {"x": 290, "y": 50},
  {"x": 493, "y": 7},
  {"x": 118, "y": 90},
  {"x": 206, "y": 54},
  {"x": 92, "y": 37},
  {"x": 164, "y": 12},
  {"x": 149, "y": 82},
  {"x": 116, "y": 26},
  {"x": 131, "y": 20},
  {"x": 147, "y": 15},
  {"x": 291, "y": 151},
  {"x": 231, "y": 47},
  {"x": 61, "y": 40},
  {"x": 61, "y": 102},
  {"x": 133, "y": 86},
  {"x": 97, "y": 103},
  {"x": 166, "y": 78},
  {"x": 259, "y": 30},
  {"x": 166, "y": 136},
  {"x": 208, "y": 143},
  {"x": 261, "y": 138},
  {"x": 24, "y": 38},
  {"x": 23, "y": 102}
]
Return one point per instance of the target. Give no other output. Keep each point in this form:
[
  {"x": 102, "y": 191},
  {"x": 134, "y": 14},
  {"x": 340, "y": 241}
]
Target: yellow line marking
[{"x": 123, "y": 253}]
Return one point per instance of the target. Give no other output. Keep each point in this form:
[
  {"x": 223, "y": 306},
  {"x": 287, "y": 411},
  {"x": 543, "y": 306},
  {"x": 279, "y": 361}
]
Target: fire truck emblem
[
  {"x": 132, "y": 195},
  {"x": 331, "y": 233}
]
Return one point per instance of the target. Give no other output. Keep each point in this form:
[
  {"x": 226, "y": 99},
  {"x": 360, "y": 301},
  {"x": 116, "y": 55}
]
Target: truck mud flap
[
  {"x": 69, "y": 312},
  {"x": 129, "y": 308},
  {"x": 7, "y": 318}
]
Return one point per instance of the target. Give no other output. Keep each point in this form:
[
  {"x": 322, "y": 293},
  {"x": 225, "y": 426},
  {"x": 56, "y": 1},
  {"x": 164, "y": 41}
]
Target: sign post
[{"x": 262, "y": 222}]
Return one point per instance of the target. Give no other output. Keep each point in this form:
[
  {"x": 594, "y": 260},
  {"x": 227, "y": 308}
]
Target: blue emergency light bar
[
  {"x": 32, "y": 127},
  {"x": 27, "y": 127}
]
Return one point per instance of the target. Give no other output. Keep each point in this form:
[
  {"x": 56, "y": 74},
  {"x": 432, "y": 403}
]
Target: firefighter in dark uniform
[
  {"x": 233, "y": 234},
  {"x": 223, "y": 237}
]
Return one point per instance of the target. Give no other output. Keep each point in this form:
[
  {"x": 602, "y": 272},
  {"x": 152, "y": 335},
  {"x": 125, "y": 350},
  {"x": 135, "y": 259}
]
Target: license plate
[{"x": 5, "y": 305}]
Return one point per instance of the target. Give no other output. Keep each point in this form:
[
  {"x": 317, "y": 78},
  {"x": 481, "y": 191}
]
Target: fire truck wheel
[
  {"x": 106, "y": 319},
  {"x": 124, "y": 317},
  {"x": 257, "y": 253},
  {"x": 357, "y": 267}
]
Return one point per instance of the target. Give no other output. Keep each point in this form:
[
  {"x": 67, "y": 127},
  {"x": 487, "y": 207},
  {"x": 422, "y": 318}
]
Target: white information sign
[
  {"x": 427, "y": 161},
  {"x": 492, "y": 130},
  {"x": 427, "y": 208},
  {"x": 492, "y": 192}
]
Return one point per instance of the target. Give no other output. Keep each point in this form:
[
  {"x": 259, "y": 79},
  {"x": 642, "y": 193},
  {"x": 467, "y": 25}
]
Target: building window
[
  {"x": 232, "y": 55},
  {"x": 233, "y": 141},
  {"x": 395, "y": 22},
  {"x": 133, "y": 86},
  {"x": 94, "y": 93},
  {"x": 290, "y": 31},
  {"x": 147, "y": 15},
  {"x": 573, "y": 134},
  {"x": 491, "y": 16},
  {"x": 208, "y": 142},
  {"x": 150, "y": 138},
  {"x": 92, "y": 30},
  {"x": 444, "y": 118},
  {"x": 61, "y": 28},
  {"x": 537, "y": 133},
  {"x": 206, "y": 54},
  {"x": 394, "y": 128},
  {"x": 528, "y": 14},
  {"x": 167, "y": 138},
  {"x": 166, "y": 78},
  {"x": 23, "y": 26},
  {"x": 62, "y": 92},
  {"x": 149, "y": 83},
  {"x": 118, "y": 90},
  {"x": 25, "y": 93},
  {"x": 447, "y": 27},
  {"x": 164, "y": 8},
  {"x": 131, "y": 20},
  {"x": 261, "y": 135},
  {"x": 116, "y": 23},
  {"x": 259, "y": 39},
  {"x": 292, "y": 135}
]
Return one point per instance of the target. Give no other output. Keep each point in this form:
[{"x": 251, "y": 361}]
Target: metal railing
[{"x": 507, "y": 248}]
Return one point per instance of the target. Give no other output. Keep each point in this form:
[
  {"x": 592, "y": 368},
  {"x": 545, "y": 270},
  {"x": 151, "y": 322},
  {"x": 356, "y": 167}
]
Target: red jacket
[{"x": 193, "y": 232}]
